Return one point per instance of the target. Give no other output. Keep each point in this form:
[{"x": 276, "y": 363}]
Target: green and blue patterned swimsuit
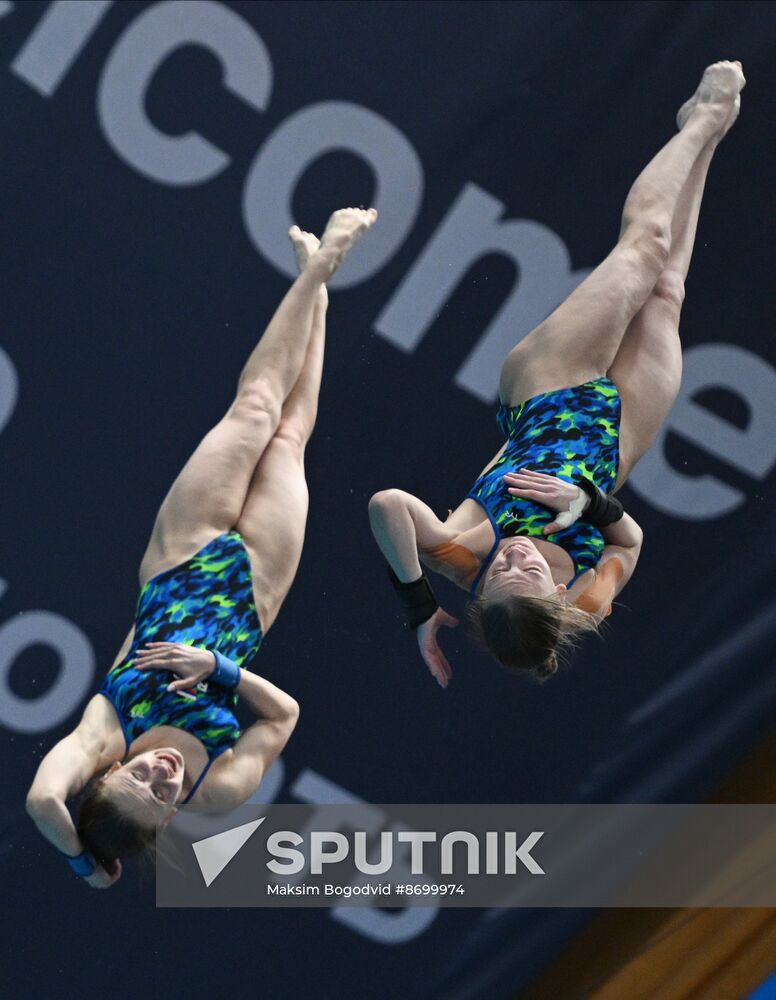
[
  {"x": 206, "y": 602},
  {"x": 565, "y": 433}
]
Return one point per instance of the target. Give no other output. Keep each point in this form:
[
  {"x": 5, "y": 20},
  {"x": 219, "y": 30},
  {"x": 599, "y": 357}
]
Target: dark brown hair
[
  {"x": 529, "y": 634},
  {"x": 108, "y": 832}
]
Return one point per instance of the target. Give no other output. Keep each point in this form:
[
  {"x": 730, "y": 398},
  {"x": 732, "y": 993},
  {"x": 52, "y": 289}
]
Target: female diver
[
  {"x": 539, "y": 543},
  {"x": 222, "y": 555}
]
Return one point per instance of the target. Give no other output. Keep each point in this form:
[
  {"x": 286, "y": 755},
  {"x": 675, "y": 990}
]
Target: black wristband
[
  {"x": 602, "y": 509},
  {"x": 417, "y": 599}
]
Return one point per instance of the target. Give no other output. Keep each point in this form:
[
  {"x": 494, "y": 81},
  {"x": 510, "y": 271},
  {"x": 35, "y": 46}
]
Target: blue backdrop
[{"x": 153, "y": 155}]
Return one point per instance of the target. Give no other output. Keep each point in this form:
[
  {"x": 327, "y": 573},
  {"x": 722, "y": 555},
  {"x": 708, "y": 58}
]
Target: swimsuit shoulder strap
[
  {"x": 201, "y": 778},
  {"x": 105, "y": 692},
  {"x": 486, "y": 562},
  {"x": 494, "y": 546}
]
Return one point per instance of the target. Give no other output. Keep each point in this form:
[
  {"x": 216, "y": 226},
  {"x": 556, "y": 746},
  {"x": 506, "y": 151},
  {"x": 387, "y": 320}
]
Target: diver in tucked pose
[
  {"x": 222, "y": 555},
  {"x": 539, "y": 542}
]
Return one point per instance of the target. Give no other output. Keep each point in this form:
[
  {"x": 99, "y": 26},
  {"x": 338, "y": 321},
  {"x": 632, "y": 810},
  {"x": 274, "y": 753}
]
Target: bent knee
[{"x": 257, "y": 401}]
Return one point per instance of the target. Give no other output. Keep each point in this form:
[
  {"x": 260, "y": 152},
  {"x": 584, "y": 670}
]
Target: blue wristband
[
  {"x": 83, "y": 864},
  {"x": 226, "y": 673}
]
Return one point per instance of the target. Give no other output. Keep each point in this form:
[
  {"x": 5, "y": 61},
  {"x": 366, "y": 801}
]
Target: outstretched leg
[
  {"x": 647, "y": 368},
  {"x": 273, "y": 518},
  {"x": 581, "y": 338},
  {"x": 209, "y": 494}
]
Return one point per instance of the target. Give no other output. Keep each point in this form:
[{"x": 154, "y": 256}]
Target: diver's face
[
  {"x": 148, "y": 785},
  {"x": 519, "y": 568}
]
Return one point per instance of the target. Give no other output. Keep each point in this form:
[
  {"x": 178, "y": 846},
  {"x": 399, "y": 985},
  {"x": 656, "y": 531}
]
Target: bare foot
[
  {"x": 305, "y": 245},
  {"x": 343, "y": 230},
  {"x": 720, "y": 87}
]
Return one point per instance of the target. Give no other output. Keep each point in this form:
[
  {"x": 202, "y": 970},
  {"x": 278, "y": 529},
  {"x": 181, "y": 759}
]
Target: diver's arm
[
  {"x": 237, "y": 775},
  {"x": 624, "y": 534},
  {"x": 64, "y": 772},
  {"x": 53, "y": 819},
  {"x": 614, "y": 569},
  {"x": 402, "y": 524}
]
